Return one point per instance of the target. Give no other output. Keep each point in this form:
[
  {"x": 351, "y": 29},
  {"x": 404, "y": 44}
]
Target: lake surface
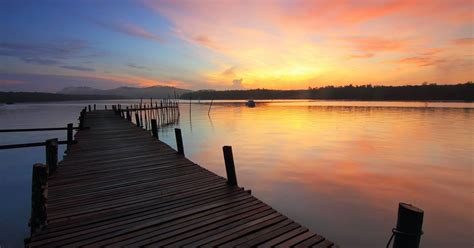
[{"x": 338, "y": 167}]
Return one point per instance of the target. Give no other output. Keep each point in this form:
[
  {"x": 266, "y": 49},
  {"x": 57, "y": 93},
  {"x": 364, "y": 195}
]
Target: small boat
[{"x": 250, "y": 103}]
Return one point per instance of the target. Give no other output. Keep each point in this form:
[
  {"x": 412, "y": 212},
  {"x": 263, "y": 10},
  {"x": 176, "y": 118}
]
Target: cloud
[
  {"x": 421, "y": 61},
  {"x": 376, "y": 44},
  {"x": 132, "y": 65},
  {"x": 47, "y": 53},
  {"x": 362, "y": 56},
  {"x": 129, "y": 29},
  {"x": 237, "y": 84},
  {"x": 77, "y": 68},
  {"x": 229, "y": 72},
  {"x": 463, "y": 41}
]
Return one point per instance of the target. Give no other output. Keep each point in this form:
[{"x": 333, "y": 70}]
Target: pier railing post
[
  {"x": 154, "y": 128},
  {"x": 137, "y": 120},
  {"x": 69, "y": 136},
  {"x": 408, "y": 232},
  {"x": 39, "y": 195},
  {"x": 52, "y": 155},
  {"x": 179, "y": 141},
  {"x": 229, "y": 165}
]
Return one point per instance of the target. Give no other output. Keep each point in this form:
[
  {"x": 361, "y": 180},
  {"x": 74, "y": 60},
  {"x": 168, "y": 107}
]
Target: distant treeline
[
  {"x": 16, "y": 97},
  {"x": 425, "y": 92}
]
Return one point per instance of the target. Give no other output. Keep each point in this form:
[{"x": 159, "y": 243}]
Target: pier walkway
[{"x": 119, "y": 186}]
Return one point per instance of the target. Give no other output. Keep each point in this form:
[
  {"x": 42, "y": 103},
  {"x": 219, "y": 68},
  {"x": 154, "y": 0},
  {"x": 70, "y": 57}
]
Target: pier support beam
[
  {"x": 179, "y": 141},
  {"x": 229, "y": 165},
  {"x": 52, "y": 155}
]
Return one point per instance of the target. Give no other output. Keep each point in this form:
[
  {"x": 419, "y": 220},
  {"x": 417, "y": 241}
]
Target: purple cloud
[
  {"x": 77, "y": 68},
  {"x": 129, "y": 29}
]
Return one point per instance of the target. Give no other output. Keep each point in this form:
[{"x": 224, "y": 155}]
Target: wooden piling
[
  {"x": 94, "y": 107},
  {"x": 229, "y": 165},
  {"x": 39, "y": 196},
  {"x": 89, "y": 108},
  {"x": 409, "y": 226},
  {"x": 69, "y": 135},
  {"x": 154, "y": 128},
  {"x": 179, "y": 141},
  {"x": 137, "y": 120},
  {"x": 52, "y": 155}
]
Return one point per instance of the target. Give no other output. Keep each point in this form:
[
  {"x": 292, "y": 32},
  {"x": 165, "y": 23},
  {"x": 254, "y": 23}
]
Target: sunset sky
[{"x": 218, "y": 44}]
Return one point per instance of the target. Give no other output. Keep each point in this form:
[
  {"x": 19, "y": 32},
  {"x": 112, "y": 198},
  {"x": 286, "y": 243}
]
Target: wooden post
[
  {"x": 39, "y": 197},
  {"x": 179, "y": 141},
  {"x": 154, "y": 128},
  {"x": 69, "y": 136},
  {"x": 409, "y": 226},
  {"x": 81, "y": 120},
  {"x": 105, "y": 106},
  {"x": 52, "y": 155},
  {"x": 137, "y": 120},
  {"x": 89, "y": 108},
  {"x": 94, "y": 106},
  {"x": 229, "y": 165}
]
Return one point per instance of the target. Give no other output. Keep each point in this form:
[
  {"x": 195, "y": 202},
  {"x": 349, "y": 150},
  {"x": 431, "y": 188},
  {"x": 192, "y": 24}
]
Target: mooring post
[
  {"x": 179, "y": 141},
  {"x": 229, "y": 165},
  {"x": 105, "y": 107},
  {"x": 94, "y": 106},
  {"x": 89, "y": 108},
  {"x": 154, "y": 128},
  {"x": 408, "y": 232},
  {"x": 69, "y": 136},
  {"x": 39, "y": 195},
  {"x": 52, "y": 155},
  {"x": 137, "y": 120}
]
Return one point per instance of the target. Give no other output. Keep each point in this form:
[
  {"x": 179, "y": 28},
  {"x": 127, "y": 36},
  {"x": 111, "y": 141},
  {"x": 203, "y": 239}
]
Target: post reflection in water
[{"x": 341, "y": 170}]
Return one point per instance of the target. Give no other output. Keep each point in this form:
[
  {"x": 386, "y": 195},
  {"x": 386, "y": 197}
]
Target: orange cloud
[
  {"x": 464, "y": 41},
  {"x": 279, "y": 44}
]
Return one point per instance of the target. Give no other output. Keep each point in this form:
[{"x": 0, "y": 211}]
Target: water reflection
[{"x": 340, "y": 168}]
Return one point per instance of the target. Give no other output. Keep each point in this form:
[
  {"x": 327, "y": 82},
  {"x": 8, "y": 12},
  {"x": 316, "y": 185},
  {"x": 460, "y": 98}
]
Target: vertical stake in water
[
  {"x": 52, "y": 155},
  {"x": 229, "y": 165},
  {"x": 179, "y": 141}
]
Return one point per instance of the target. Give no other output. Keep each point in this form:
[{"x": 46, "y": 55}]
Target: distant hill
[
  {"x": 425, "y": 92},
  {"x": 128, "y": 92},
  {"x": 17, "y": 97}
]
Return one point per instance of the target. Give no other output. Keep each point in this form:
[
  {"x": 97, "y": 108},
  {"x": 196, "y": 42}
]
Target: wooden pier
[{"x": 120, "y": 186}]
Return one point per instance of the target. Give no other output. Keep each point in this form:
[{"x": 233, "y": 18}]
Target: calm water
[{"x": 339, "y": 168}]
